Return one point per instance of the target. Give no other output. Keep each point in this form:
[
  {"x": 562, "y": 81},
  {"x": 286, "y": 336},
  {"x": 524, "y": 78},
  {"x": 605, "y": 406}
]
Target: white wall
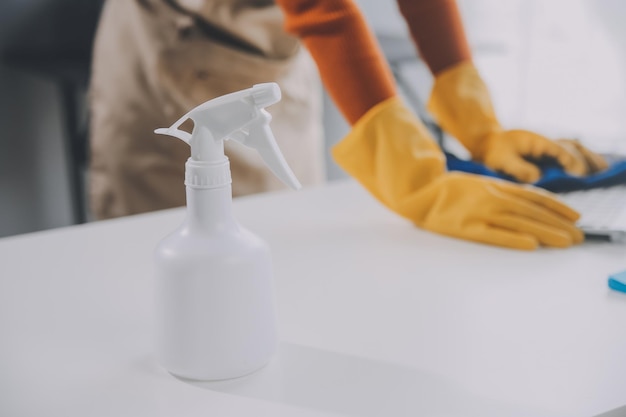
[{"x": 556, "y": 66}]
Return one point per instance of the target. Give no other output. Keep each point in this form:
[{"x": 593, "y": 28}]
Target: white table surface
[{"x": 376, "y": 317}]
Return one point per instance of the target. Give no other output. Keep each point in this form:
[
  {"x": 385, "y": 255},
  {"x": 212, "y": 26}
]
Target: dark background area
[{"x": 45, "y": 50}]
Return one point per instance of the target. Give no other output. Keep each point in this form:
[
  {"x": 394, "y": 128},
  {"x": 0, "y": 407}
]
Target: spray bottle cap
[{"x": 240, "y": 116}]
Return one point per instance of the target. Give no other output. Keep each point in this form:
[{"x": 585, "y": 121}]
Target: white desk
[{"x": 377, "y": 318}]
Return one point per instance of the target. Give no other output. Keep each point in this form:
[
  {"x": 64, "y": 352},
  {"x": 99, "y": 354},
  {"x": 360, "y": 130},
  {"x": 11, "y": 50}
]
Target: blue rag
[{"x": 553, "y": 178}]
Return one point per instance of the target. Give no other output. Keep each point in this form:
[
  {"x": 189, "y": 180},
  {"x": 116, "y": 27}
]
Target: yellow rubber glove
[
  {"x": 593, "y": 161},
  {"x": 390, "y": 152},
  {"x": 461, "y": 104}
]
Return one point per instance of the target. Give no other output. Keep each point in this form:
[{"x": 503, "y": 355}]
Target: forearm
[
  {"x": 437, "y": 30},
  {"x": 351, "y": 64}
]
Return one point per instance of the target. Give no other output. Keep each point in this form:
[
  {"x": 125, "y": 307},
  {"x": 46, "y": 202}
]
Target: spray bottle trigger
[{"x": 262, "y": 139}]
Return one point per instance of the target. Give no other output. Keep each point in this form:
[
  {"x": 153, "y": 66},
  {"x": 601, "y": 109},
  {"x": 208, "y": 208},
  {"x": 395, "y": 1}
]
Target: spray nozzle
[
  {"x": 239, "y": 116},
  {"x": 267, "y": 95}
]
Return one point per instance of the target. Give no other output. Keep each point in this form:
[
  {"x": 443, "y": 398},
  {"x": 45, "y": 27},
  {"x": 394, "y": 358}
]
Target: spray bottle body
[{"x": 214, "y": 293}]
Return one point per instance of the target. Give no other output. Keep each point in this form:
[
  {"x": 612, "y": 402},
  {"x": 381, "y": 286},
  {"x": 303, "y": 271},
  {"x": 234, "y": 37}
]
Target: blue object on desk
[
  {"x": 554, "y": 178},
  {"x": 617, "y": 281}
]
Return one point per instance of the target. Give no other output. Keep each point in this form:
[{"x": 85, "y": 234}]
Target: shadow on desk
[{"x": 328, "y": 381}]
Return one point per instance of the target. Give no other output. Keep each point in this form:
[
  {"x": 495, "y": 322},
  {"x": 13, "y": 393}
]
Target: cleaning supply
[
  {"x": 462, "y": 106},
  {"x": 215, "y": 311},
  {"x": 391, "y": 153},
  {"x": 617, "y": 281},
  {"x": 553, "y": 177}
]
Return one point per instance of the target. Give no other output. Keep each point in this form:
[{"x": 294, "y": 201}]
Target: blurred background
[{"x": 554, "y": 66}]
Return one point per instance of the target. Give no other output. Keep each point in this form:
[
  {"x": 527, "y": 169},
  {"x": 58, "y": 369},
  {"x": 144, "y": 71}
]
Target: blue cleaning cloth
[
  {"x": 554, "y": 178},
  {"x": 617, "y": 281}
]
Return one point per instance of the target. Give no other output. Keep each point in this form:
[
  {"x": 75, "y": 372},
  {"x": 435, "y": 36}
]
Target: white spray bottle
[{"x": 215, "y": 308}]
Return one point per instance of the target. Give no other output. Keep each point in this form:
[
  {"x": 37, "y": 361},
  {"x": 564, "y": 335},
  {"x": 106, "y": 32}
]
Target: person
[
  {"x": 154, "y": 60},
  {"x": 177, "y": 54}
]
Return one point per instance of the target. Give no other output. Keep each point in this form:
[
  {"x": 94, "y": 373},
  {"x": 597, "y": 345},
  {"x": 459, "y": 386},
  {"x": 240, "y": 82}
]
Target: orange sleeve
[
  {"x": 437, "y": 30},
  {"x": 351, "y": 64}
]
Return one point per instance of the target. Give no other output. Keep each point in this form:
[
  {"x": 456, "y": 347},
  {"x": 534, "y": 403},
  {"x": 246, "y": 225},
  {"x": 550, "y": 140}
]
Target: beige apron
[{"x": 154, "y": 60}]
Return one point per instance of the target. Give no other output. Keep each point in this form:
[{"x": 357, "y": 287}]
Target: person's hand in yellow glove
[
  {"x": 391, "y": 153},
  {"x": 461, "y": 104},
  {"x": 593, "y": 161}
]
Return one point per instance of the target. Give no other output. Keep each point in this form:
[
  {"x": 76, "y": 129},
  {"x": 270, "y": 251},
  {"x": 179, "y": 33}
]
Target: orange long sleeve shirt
[{"x": 351, "y": 64}]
